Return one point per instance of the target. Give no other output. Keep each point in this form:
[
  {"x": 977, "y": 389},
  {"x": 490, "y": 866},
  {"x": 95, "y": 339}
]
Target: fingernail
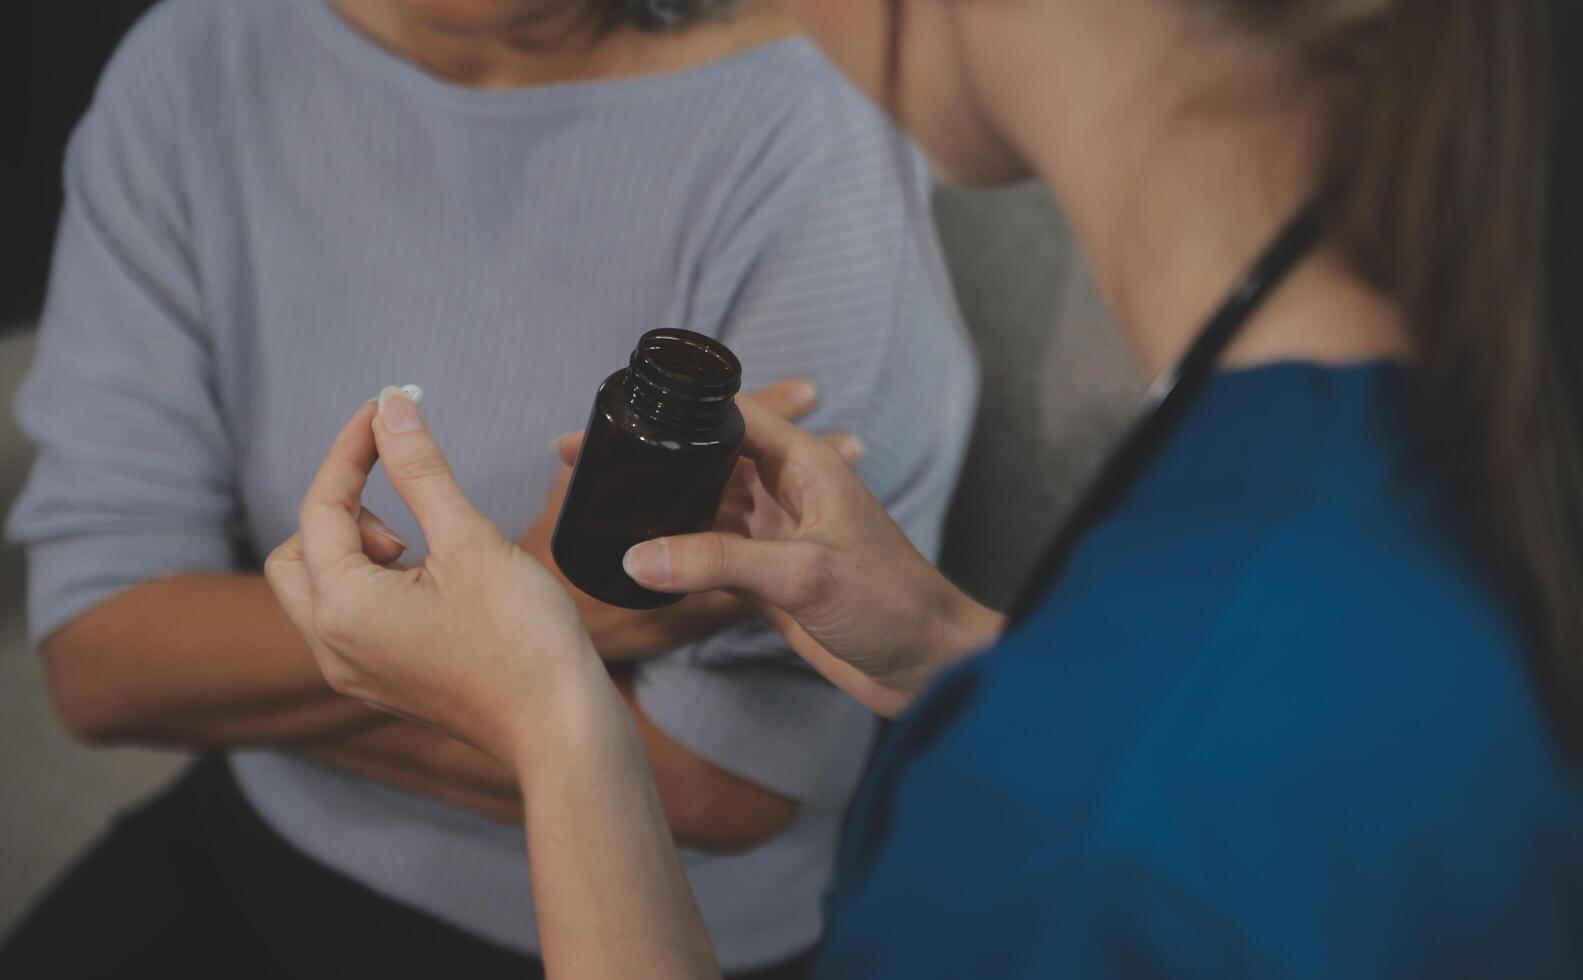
[
  {"x": 803, "y": 395},
  {"x": 850, "y": 447},
  {"x": 382, "y": 529},
  {"x": 398, "y": 409},
  {"x": 648, "y": 563},
  {"x": 411, "y": 391}
]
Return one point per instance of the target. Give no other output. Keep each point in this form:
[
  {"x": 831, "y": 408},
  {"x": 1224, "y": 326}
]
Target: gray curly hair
[{"x": 663, "y": 15}]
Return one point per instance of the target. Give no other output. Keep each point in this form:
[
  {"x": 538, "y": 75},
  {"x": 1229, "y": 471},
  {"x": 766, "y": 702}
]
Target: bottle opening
[
  {"x": 681, "y": 377},
  {"x": 687, "y": 361}
]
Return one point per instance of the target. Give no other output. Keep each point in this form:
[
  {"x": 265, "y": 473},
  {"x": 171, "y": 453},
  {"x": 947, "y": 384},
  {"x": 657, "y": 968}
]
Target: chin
[
  {"x": 472, "y": 16},
  {"x": 965, "y": 163},
  {"x": 977, "y": 175}
]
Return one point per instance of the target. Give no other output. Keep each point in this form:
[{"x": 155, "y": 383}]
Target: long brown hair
[
  {"x": 1457, "y": 204},
  {"x": 1453, "y": 143}
]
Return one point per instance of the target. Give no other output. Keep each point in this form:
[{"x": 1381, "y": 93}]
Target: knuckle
[
  {"x": 714, "y": 558},
  {"x": 343, "y": 567},
  {"x": 796, "y": 477},
  {"x": 808, "y": 574},
  {"x": 315, "y": 501},
  {"x": 283, "y": 568},
  {"x": 477, "y": 534},
  {"x": 274, "y": 565},
  {"x": 811, "y": 450},
  {"x": 336, "y": 619},
  {"x": 464, "y": 545},
  {"x": 826, "y": 455},
  {"x": 422, "y": 465},
  {"x": 339, "y": 676},
  {"x": 811, "y": 464},
  {"x": 781, "y": 401}
]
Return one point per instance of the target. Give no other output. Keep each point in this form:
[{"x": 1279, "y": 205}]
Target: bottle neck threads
[{"x": 682, "y": 379}]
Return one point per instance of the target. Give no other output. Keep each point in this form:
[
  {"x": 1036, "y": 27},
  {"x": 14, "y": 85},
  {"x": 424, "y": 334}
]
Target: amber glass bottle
[{"x": 660, "y": 447}]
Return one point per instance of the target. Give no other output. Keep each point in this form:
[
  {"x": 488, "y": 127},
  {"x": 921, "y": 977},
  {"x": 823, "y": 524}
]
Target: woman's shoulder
[
  {"x": 1301, "y": 515},
  {"x": 1348, "y": 652},
  {"x": 1376, "y": 626},
  {"x": 182, "y": 52},
  {"x": 797, "y": 113},
  {"x": 1352, "y": 737},
  {"x": 156, "y": 50},
  {"x": 180, "y": 33},
  {"x": 792, "y": 73}
]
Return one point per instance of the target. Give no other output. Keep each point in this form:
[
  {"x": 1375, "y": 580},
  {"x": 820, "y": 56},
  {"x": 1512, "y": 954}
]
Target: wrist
[
  {"x": 962, "y": 628},
  {"x": 950, "y": 627},
  {"x": 565, "y": 717}
]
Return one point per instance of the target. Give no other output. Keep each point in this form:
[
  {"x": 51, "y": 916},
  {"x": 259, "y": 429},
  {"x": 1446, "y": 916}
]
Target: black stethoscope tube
[{"x": 1168, "y": 400}]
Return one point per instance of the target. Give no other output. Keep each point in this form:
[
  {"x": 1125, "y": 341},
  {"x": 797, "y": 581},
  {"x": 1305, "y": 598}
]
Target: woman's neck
[
  {"x": 569, "y": 45},
  {"x": 1171, "y": 234},
  {"x": 1177, "y": 170}
]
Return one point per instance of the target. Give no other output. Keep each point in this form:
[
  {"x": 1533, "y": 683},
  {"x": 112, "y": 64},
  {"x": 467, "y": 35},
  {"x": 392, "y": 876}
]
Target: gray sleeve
[
  {"x": 842, "y": 288},
  {"x": 133, "y": 478}
]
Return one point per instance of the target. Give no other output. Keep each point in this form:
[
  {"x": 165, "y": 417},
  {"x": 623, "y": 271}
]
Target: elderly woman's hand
[
  {"x": 826, "y": 566},
  {"x": 480, "y": 641}
]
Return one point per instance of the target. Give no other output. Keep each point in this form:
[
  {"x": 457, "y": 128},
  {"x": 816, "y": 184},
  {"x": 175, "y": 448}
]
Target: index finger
[
  {"x": 769, "y": 438},
  {"x": 789, "y": 458},
  {"x": 790, "y": 398},
  {"x": 328, "y": 515}
]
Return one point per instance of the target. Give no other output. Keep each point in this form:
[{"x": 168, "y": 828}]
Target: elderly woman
[{"x": 275, "y": 202}]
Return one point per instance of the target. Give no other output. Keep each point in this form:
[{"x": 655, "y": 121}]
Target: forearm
[
  {"x": 210, "y": 660},
  {"x": 704, "y": 806},
  {"x": 608, "y": 887},
  {"x": 420, "y": 760},
  {"x": 195, "y": 661}
]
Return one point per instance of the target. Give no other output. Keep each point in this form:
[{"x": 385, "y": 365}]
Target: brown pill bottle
[{"x": 660, "y": 446}]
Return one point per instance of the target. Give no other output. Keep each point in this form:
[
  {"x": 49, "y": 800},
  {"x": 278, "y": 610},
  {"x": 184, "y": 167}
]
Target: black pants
[{"x": 194, "y": 884}]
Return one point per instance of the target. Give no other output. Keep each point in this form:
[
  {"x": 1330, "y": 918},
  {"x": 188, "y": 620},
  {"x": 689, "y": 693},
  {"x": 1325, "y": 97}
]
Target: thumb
[
  {"x": 783, "y": 573},
  {"x": 419, "y": 471}
]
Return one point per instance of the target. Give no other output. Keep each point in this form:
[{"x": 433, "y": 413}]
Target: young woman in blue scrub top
[{"x": 1297, "y": 694}]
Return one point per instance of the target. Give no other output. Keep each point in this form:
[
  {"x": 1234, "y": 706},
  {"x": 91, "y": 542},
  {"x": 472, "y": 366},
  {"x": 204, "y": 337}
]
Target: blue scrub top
[{"x": 1275, "y": 721}]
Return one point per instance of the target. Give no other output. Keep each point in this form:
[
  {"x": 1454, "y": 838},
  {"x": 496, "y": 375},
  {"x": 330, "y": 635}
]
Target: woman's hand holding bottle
[
  {"x": 824, "y": 563},
  {"x": 629, "y": 634}
]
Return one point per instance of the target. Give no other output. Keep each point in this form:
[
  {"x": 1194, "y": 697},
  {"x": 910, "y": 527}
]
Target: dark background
[{"x": 50, "y": 57}]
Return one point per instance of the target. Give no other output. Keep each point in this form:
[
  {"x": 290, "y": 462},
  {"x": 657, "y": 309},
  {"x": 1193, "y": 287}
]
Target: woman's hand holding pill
[{"x": 480, "y": 641}]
